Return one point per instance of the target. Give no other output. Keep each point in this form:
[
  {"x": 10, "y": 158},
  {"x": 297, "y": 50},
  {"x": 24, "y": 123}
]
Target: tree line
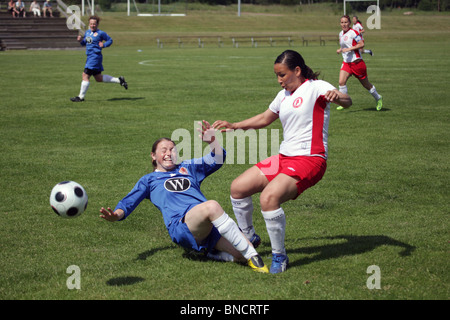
[{"x": 427, "y": 5}]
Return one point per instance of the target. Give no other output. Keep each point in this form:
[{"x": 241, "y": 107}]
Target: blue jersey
[
  {"x": 174, "y": 192},
  {"x": 93, "y": 50}
]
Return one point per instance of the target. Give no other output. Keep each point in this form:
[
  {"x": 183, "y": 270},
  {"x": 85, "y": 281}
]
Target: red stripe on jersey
[
  {"x": 357, "y": 53},
  {"x": 317, "y": 146}
]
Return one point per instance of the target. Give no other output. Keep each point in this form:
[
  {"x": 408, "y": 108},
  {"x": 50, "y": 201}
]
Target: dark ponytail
[{"x": 294, "y": 59}]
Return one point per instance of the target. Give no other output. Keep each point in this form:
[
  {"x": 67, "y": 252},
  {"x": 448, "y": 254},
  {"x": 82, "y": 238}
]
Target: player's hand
[
  {"x": 338, "y": 51},
  {"x": 79, "y": 38},
  {"x": 338, "y": 98},
  {"x": 208, "y": 134},
  {"x": 219, "y": 124},
  {"x": 110, "y": 215},
  {"x": 332, "y": 95},
  {"x": 100, "y": 44}
]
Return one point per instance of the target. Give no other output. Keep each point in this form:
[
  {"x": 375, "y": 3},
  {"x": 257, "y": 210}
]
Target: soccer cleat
[
  {"x": 380, "y": 103},
  {"x": 340, "y": 108},
  {"x": 123, "y": 83},
  {"x": 279, "y": 263},
  {"x": 370, "y": 52},
  {"x": 77, "y": 99},
  {"x": 255, "y": 240},
  {"x": 257, "y": 264}
]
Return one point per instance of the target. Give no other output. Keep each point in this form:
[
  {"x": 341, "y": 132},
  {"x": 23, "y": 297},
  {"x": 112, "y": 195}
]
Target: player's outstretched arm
[
  {"x": 257, "y": 122},
  {"x": 110, "y": 215}
]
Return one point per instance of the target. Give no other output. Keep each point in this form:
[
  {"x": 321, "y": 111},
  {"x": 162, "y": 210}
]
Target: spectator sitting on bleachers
[
  {"x": 35, "y": 8},
  {"x": 12, "y": 8},
  {"x": 47, "y": 6},
  {"x": 20, "y": 7}
]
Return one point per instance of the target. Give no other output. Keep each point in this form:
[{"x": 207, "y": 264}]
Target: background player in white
[
  {"x": 351, "y": 43},
  {"x": 192, "y": 221},
  {"x": 357, "y": 26},
  {"x": 303, "y": 109},
  {"x": 95, "y": 40}
]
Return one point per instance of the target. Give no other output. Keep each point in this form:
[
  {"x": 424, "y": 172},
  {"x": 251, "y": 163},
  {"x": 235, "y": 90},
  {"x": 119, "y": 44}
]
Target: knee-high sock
[
  {"x": 374, "y": 93},
  {"x": 243, "y": 210},
  {"x": 84, "y": 88},
  {"x": 276, "y": 227},
  {"x": 230, "y": 231},
  {"x": 343, "y": 89},
  {"x": 110, "y": 79}
]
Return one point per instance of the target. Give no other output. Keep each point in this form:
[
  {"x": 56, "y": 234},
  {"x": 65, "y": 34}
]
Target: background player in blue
[
  {"x": 191, "y": 220},
  {"x": 95, "y": 40}
]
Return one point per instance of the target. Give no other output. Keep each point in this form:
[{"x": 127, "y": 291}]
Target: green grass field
[{"x": 383, "y": 201}]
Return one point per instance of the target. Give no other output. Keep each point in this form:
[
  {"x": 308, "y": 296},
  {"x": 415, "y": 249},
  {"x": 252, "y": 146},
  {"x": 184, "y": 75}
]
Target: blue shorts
[{"x": 180, "y": 234}]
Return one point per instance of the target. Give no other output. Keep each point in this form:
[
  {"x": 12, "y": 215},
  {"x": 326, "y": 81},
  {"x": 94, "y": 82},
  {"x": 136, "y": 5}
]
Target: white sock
[
  {"x": 374, "y": 93},
  {"x": 110, "y": 79},
  {"x": 243, "y": 210},
  {"x": 84, "y": 88},
  {"x": 230, "y": 231},
  {"x": 276, "y": 227},
  {"x": 343, "y": 89},
  {"x": 220, "y": 256}
]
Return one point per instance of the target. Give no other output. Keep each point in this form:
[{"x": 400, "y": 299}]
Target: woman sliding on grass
[{"x": 192, "y": 221}]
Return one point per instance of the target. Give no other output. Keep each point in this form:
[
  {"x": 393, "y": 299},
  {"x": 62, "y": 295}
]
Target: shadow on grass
[
  {"x": 124, "y": 281},
  {"x": 353, "y": 245},
  {"x": 370, "y": 109},
  {"x": 144, "y": 255},
  {"x": 126, "y": 99}
]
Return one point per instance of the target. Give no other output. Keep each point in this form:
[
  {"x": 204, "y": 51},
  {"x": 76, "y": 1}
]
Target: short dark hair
[{"x": 97, "y": 18}]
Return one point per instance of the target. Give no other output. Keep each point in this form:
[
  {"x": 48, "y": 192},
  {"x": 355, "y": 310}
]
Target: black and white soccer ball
[{"x": 68, "y": 199}]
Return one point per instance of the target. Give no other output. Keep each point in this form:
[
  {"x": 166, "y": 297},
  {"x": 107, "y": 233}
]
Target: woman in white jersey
[
  {"x": 303, "y": 109},
  {"x": 357, "y": 26},
  {"x": 351, "y": 43}
]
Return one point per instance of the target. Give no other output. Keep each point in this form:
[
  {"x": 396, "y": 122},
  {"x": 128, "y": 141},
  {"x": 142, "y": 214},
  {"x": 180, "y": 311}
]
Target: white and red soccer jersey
[
  {"x": 348, "y": 40},
  {"x": 357, "y": 27},
  {"x": 304, "y": 115}
]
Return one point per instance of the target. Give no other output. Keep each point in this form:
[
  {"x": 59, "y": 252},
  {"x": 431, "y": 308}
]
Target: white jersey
[
  {"x": 348, "y": 40},
  {"x": 358, "y": 27},
  {"x": 304, "y": 115}
]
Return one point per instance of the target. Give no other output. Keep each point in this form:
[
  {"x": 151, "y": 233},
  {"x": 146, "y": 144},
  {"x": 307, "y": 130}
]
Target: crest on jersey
[
  {"x": 183, "y": 170},
  {"x": 177, "y": 184},
  {"x": 88, "y": 39},
  {"x": 297, "y": 102}
]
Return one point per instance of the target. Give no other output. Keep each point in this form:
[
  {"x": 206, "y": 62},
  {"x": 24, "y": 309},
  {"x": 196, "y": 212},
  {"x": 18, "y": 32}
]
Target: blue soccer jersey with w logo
[
  {"x": 174, "y": 192},
  {"x": 94, "y": 55}
]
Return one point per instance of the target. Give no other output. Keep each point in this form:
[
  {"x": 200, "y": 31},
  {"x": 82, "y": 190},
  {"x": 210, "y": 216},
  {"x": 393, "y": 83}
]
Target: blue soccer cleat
[{"x": 279, "y": 263}]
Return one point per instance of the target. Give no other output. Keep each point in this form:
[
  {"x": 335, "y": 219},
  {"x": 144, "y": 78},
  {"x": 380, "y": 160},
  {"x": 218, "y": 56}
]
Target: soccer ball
[{"x": 68, "y": 199}]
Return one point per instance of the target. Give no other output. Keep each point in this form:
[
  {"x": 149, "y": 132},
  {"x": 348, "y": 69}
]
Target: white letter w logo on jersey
[{"x": 177, "y": 184}]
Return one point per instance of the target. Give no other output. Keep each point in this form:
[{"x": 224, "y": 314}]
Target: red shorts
[
  {"x": 307, "y": 170},
  {"x": 358, "y": 68}
]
